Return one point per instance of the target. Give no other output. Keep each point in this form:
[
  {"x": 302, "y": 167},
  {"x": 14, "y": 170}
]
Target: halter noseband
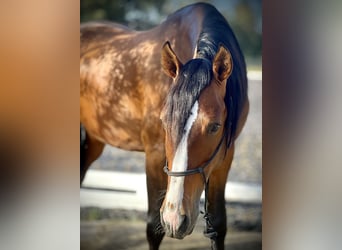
[{"x": 198, "y": 170}]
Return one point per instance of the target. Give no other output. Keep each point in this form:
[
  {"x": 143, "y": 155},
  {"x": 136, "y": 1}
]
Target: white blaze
[{"x": 180, "y": 162}]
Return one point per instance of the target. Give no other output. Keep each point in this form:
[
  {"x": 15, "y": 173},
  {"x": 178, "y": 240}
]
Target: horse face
[
  {"x": 180, "y": 208},
  {"x": 191, "y": 142}
]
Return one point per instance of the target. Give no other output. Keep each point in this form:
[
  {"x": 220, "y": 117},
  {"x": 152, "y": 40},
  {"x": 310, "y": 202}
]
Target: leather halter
[
  {"x": 209, "y": 230},
  {"x": 198, "y": 170}
]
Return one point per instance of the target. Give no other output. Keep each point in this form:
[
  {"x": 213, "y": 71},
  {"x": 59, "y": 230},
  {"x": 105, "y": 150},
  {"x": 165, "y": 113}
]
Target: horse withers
[{"x": 178, "y": 92}]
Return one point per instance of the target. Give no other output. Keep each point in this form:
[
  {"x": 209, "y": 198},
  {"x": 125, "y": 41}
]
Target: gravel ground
[
  {"x": 241, "y": 217},
  {"x": 120, "y": 235},
  {"x": 122, "y": 229}
]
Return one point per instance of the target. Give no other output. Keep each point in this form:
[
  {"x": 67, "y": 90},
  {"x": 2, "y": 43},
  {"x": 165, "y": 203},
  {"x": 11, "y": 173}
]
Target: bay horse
[{"x": 178, "y": 92}]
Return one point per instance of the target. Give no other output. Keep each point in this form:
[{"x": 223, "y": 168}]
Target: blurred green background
[{"x": 244, "y": 16}]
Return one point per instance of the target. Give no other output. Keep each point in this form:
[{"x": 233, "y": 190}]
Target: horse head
[{"x": 194, "y": 119}]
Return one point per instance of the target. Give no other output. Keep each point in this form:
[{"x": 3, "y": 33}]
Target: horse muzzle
[{"x": 175, "y": 223}]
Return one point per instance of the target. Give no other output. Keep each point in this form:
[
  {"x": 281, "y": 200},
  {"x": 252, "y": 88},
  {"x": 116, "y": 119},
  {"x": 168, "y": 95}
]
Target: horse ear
[
  {"x": 223, "y": 64},
  {"x": 170, "y": 62}
]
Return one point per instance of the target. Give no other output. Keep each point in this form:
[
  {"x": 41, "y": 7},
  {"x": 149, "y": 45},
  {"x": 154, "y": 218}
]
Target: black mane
[
  {"x": 215, "y": 32},
  {"x": 197, "y": 74}
]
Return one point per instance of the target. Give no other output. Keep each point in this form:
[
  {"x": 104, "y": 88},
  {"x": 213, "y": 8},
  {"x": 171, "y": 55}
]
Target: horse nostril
[{"x": 183, "y": 224}]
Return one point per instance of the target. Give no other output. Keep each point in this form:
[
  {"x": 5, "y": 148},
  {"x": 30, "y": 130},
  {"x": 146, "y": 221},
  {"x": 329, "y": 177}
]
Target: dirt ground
[
  {"x": 123, "y": 234},
  {"x": 107, "y": 229}
]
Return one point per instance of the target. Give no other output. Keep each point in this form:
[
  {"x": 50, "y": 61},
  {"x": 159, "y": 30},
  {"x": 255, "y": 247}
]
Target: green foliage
[
  {"x": 103, "y": 10},
  {"x": 246, "y": 23}
]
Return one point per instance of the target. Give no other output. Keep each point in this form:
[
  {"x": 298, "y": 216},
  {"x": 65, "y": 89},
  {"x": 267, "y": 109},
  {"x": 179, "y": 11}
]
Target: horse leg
[
  {"x": 156, "y": 181},
  {"x": 90, "y": 150},
  {"x": 216, "y": 200}
]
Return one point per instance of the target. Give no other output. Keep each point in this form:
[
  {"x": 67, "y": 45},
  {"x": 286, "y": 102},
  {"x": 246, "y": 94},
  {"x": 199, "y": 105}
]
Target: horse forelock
[{"x": 192, "y": 79}]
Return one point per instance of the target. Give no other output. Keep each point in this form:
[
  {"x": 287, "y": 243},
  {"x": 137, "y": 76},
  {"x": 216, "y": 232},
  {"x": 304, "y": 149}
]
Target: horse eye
[{"x": 213, "y": 128}]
